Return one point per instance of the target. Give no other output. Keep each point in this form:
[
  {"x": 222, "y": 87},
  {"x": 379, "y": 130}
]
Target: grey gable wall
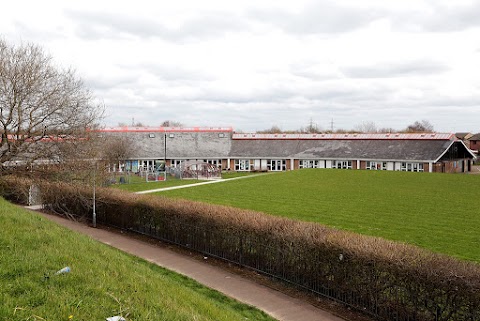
[{"x": 183, "y": 145}]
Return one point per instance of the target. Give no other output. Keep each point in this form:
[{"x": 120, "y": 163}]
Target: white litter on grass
[
  {"x": 116, "y": 318},
  {"x": 63, "y": 271}
]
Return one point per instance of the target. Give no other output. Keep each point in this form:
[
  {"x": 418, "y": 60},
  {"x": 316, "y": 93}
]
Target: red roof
[
  {"x": 386, "y": 136},
  {"x": 163, "y": 129}
]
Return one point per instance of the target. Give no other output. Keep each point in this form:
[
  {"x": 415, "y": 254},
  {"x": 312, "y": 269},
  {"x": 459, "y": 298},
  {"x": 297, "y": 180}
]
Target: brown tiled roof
[{"x": 475, "y": 137}]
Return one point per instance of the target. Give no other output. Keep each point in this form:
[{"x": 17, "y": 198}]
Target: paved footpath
[{"x": 275, "y": 303}]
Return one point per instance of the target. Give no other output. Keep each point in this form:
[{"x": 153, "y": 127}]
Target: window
[
  {"x": 175, "y": 163},
  {"x": 216, "y": 162},
  {"x": 276, "y": 165},
  {"x": 146, "y": 165},
  {"x": 152, "y": 135},
  {"x": 309, "y": 163},
  {"x": 377, "y": 166},
  {"x": 342, "y": 164},
  {"x": 411, "y": 167},
  {"x": 221, "y": 135},
  {"x": 242, "y": 165}
]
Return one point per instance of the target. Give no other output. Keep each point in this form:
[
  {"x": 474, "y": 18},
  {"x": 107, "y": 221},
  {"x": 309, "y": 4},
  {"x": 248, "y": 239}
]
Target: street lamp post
[
  {"x": 165, "y": 155},
  {"x": 94, "y": 214}
]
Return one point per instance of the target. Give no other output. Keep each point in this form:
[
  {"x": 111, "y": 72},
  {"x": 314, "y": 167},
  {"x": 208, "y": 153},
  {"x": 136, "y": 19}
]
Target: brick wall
[{"x": 475, "y": 144}]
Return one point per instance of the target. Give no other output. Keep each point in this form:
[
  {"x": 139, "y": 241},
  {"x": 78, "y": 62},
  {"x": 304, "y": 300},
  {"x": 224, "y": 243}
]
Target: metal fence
[{"x": 286, "y": 265}]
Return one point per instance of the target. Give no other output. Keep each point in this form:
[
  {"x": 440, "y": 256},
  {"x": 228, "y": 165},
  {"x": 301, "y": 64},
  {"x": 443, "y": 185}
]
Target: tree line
[{"x": 422, "y": 126}]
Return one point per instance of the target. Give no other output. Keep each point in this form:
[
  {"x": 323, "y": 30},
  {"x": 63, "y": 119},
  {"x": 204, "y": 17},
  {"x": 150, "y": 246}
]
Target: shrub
[{"x": 386, "y": 279}]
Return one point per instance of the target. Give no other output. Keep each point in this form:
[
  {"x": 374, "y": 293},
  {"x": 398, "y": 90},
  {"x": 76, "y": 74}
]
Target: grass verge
[
  {"x": 103, "y": 282},
  {"x": 435, "y": 211}
]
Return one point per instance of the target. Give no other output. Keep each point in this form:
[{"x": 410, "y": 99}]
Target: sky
[{"x": 251, "y": 65}]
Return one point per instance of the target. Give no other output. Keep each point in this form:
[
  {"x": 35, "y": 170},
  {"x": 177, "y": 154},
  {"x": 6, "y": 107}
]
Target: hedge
[{"x": 389, "y": 280}]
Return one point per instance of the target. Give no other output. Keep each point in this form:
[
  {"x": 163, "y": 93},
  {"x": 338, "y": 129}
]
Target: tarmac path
[{"x": 277, "y": 304}]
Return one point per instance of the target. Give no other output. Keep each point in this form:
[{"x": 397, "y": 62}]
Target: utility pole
[
  {"x": 312, "y": 127},
  {"x": 331, "y": 125}
]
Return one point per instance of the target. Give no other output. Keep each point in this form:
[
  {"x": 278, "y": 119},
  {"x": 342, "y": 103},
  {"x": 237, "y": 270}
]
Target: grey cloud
[
  {"x": 347, "y": 109},
  {"x": 265, "y": 95},
  {"x": 311, "y": 70},
  {"x": 465, "y": 102},
  {"x": 37, "y": 35},
  {"x": 395, "y": 69},
  {"x": 172, "y": 72},
  {"x": 107, "y": 83},
  {"x": 439, "y": 18},
  {"x": 320, "y": 17},
  {"x": 104, "y": 25}
]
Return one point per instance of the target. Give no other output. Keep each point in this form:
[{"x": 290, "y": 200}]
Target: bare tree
[
  {"x": 273, "y": 130},
  {"x": 171, "y": 123},
  {"x": 366, "y": 127},
  {"x": 423, "y": 126},
  {"x": 44, "y": 111},
  {"x": 311, "y": 128},
  {"x": 117, "y": 149},
  {"x": 386, "y": 130},
  {"x": 133, "y": 124}
]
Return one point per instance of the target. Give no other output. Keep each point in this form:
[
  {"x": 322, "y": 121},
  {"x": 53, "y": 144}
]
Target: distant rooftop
[
  {"x": 164, "y": 129},
  {"x": 385, "y": 136}
]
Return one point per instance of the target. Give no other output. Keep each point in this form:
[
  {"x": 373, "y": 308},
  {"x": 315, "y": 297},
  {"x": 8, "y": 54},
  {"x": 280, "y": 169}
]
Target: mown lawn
[
  {"x": 440, "y": 212},
  {"x": 227, "y": 175},
  {"x": 103, "y": 282},
  {"x": 143, "y": 186}
]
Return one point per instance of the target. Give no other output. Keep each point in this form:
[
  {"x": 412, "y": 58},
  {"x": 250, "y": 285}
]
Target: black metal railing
[{"x": 285, "y": 264}]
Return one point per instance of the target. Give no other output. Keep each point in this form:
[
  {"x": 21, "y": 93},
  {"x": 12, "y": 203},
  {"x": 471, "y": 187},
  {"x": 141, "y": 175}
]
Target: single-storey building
[
  {"x": 463, "y": 136},
  {"x": 474, "y": 141},
  {"x": 419, "y": 152}
]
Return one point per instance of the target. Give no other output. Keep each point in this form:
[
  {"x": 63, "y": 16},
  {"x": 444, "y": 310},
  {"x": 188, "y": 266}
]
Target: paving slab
[{"x": 275, "y": 303}]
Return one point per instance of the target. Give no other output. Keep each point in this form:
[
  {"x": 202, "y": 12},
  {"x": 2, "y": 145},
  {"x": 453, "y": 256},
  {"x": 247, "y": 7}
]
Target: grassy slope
[
  {"x": 436, "y": 211},
  {"x": 103, "y": 282}
]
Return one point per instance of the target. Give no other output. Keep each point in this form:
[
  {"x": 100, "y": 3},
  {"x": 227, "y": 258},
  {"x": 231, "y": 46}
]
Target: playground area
[{"x": 188, "y": 170}]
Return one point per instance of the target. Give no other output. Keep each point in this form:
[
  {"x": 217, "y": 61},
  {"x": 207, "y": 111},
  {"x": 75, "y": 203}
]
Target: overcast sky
[{"x": 254, "y": 64}]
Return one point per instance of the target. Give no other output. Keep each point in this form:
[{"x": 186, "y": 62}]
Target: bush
[{"x": 386, "y": 279}]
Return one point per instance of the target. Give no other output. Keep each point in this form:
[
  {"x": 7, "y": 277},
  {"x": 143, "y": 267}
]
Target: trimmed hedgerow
[{"x": 390, "y": 280}]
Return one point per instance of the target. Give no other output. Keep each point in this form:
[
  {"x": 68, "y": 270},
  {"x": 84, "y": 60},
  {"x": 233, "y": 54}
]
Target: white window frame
[
  {"x": 176, "y": 163},
  {"x": 243, "y": 165},
  {"x": 342, "y": 164},
  {"x": 216, "y": 162},
  {"x": 308, "y": 163},
  {"x": 277, "y": 165},
  {"x": 146, "y": 165},
  {"x": 376, "y": 165},
  {"x": 411, "y": 167}
]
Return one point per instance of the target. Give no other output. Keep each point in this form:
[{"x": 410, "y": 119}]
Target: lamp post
[
  {"x": 165, "y": 155},
  {"x": 94, "y": 214}
]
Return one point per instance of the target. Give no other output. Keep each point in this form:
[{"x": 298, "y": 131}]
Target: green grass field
[
  {"x": 440, "y": 212},
  {"x": 103, "y": 282},
  {"x": 227, "y": 175},
  {"x": 143, "y": 186}
]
